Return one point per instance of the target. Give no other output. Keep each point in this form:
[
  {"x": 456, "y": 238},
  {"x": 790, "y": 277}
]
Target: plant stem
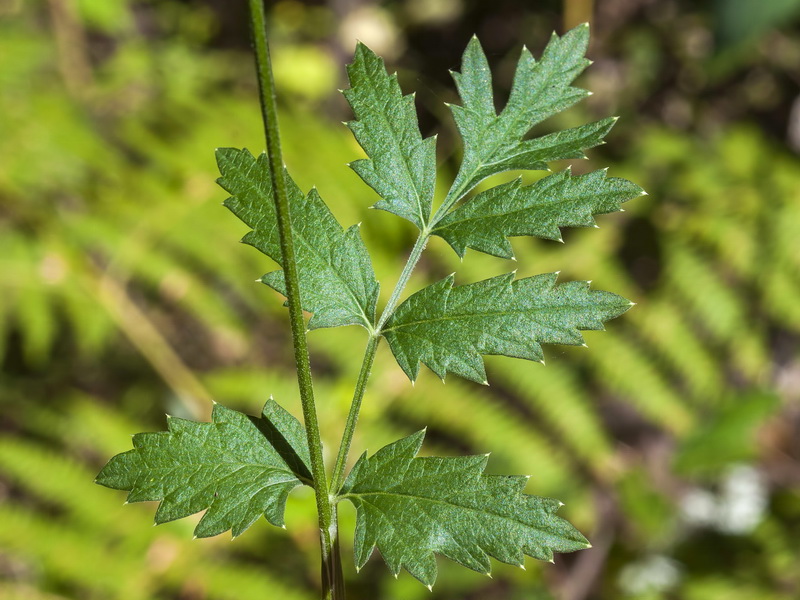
[
  {"x": 413, "y": 259},
  {"x": 332, "y": 587},
  {"x": 369, "y": 358},
  {"x": 352, "y": 417}
]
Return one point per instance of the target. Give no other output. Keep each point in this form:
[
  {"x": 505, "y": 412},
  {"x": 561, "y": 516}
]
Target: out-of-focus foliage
[{"x": 123, "y": 295}]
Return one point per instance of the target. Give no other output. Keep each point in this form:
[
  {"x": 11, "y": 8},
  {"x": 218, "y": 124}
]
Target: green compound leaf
[
  {"x": 449, "y": 328},
  {"x": 494, "y": 143},
  {"x": 511, "y": 209},
  {"x": 401, "y": 166},
  {"x": 411, "y": 508},
  {"x": 337, "y": 282},
  {"x": 238, "y": 467}
]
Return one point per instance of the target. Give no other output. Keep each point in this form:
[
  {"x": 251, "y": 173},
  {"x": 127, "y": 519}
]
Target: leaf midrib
[
  {"x": 482, "y": 314},
  {"x": 239, "y": 466},
  {"x": 413, "y": 497}
]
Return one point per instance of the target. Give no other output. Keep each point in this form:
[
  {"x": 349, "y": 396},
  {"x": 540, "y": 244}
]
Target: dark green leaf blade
[
  {"x": 237, "y": 467},
  {"x": 449, "y": 328},
  {"x": 412, "y": 507},
  {"x": 401, "y": 166},
  {"x": 337, "y": 282},
  {"x": 559, "y": 200},
  {"x": 494, "y": 143}
]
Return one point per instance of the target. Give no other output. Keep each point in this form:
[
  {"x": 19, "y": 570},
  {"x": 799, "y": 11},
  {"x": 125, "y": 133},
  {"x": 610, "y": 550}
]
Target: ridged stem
[{"x": 332, "y": 586}]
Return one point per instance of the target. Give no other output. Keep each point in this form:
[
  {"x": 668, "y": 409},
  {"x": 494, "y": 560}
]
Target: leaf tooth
[{"x": 430, "y": 587}]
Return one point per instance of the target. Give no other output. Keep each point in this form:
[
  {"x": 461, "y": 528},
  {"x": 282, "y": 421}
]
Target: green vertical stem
[
  {"x": 413, "y": 259},
  {"x": 369, "y": 358},
  {"x": 352, "y": 418},
  {"x": 332, "y": 587}
]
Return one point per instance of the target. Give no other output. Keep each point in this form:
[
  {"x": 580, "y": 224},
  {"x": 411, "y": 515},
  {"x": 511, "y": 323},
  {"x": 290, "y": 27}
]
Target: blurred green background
[{"x": 674, "y": 440}]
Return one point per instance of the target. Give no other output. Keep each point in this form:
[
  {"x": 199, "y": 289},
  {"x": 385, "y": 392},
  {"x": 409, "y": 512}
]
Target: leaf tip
[
  {"x": 486, "y": 383},
  {"x": 429, "y": 586},
  {"x": 631, "y": 303},
  {"x": 541, "y": 361}
]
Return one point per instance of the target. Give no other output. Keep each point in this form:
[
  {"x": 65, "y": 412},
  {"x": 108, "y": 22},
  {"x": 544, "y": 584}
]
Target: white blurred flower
[
  {"x": 738, "y": 507},
  {"x": 655, "y": 573}
]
